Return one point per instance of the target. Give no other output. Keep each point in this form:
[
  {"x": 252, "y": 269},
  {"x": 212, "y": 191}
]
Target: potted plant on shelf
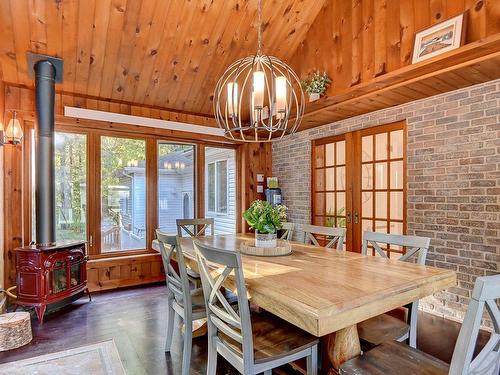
[
  {"x": 316, "y": 84},
  {"x": 266, "y": 220}
]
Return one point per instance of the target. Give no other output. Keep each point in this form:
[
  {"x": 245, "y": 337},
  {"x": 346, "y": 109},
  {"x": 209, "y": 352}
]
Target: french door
[{"x": 359, "y": 182}]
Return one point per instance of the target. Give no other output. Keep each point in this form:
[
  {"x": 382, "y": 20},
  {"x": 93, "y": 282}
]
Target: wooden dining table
[{"x": 326, "y": 292}]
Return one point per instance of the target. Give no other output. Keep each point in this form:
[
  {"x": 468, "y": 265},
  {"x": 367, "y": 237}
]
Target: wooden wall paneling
[
  {"x": 194, "y": 53},
  {"x": 407, "y": 27},
  {"x": 357, "y": 42},
  {"x": 368, "y": 37},
  {"x": 380, "y": 20},
  {"x": 98, "y": 45},
  {"x": 393, "y": 35},
  {"x": 131, "y": 33},
  {"x": 256, "y": 158},
  {"x": 105, "y": 274},
  {"x": 54, "y": 21},
  {"x": 113, "y": 39}
]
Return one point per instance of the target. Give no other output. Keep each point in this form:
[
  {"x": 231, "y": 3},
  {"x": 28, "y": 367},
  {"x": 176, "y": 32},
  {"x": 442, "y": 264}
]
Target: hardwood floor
[{"x": 135, "y": 319}]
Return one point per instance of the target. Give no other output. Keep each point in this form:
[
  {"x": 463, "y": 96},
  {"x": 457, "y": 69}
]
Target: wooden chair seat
[
  {"x": 273, "y": 338},
  {"x": 394, "y": 358},
  {"x": 382, "y": 328}
]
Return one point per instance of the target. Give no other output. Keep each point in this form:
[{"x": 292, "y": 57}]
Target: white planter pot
[
  {"x": 266, "y": 240},
  {"x": 313, "y": 97}
]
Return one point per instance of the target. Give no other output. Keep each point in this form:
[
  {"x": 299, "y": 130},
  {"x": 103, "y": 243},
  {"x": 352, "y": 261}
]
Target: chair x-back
[
  {"x": 195, "y": 227},
  {"x": 334, "y": 235},
  {"x": 287, "y": 233},
  {"x": 379, "y": 329},
  {"x": 252, "y": 344}
]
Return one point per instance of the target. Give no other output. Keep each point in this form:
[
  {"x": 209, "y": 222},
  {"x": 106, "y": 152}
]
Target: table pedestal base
[{"x": 340, "y": 347}]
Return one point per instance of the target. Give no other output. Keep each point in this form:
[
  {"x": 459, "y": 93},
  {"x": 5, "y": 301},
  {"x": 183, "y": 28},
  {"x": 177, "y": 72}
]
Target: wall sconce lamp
[{"x": 14, "y": 132}]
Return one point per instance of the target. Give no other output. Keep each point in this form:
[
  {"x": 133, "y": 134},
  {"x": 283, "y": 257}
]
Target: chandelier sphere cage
[{"x": 258, "y": 99}]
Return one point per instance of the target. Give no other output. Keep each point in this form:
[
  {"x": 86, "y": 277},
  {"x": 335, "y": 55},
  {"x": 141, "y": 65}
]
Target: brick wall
[{"x": 453, "y": 166}]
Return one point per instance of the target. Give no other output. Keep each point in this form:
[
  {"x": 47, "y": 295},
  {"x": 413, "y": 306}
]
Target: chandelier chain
[{"x": 259, "y": 26}]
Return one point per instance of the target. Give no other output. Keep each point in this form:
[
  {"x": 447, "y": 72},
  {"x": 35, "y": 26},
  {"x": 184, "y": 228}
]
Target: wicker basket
[{"x": 15, "y": 330}]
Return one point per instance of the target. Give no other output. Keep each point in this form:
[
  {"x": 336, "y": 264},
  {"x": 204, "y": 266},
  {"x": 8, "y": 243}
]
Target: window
[
  {"x": 70, "y": 160},
  {"x": 175, "y": 184},
  {"x": 123, "y": 194},
  {"x": 220, "y": 188},
  {"x": 217, "y": 187}
]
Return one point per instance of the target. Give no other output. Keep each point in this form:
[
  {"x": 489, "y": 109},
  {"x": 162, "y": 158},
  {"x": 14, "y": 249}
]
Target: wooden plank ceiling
[{"x": 167, "y": 54}]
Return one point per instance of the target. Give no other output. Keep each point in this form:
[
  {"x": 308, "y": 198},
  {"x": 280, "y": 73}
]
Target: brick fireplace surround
[{"x": 453, "y": 164}]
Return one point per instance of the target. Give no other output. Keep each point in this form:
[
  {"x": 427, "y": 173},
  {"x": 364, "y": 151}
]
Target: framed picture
[{"x": 440, "y": 38}]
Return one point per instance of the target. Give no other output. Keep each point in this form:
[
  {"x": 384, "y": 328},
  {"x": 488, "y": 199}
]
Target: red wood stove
[{"x": 53, "y": 275}]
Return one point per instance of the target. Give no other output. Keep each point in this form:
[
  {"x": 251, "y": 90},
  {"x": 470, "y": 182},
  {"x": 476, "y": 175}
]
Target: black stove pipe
[{"x": 45, "y": 74}]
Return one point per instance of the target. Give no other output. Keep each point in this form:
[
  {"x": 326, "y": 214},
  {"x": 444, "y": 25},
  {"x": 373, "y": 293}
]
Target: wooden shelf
[{"x": 468, "y": 65}]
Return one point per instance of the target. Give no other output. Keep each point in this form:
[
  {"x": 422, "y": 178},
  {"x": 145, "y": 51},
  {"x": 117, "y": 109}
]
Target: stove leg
[
  {"x": 40, "y": 311},
  {"x": 90, "y": 296}
]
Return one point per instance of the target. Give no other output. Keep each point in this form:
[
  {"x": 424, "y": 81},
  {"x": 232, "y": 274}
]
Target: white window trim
[{"x": 216, "y": 211}]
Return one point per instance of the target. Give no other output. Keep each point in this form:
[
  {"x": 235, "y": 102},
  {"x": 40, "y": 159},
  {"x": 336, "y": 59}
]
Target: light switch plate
[
  {"x": 260, "y": 188},
  {"x": 260, "y": 177}
]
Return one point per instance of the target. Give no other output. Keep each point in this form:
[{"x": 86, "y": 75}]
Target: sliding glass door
[{"x": 220, "y": 188}]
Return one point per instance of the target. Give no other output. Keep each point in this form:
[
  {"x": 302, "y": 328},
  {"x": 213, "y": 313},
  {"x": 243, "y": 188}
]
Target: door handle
[
  {"x": 349, "y": 217},
  {"x": 356, "y": 217}
]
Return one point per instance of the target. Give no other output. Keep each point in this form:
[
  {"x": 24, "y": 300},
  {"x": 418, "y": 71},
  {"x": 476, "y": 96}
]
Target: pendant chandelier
[{"x": 258, "y": 98}]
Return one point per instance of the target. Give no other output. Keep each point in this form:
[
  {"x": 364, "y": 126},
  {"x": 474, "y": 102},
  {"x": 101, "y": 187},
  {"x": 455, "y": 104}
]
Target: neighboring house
[{"x": 176, "y": 192}]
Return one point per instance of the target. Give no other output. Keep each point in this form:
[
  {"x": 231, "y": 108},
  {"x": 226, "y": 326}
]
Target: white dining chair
[
  {"x": 251, "y": 343},
  {"x": 394, "y": 358},
  {"x": 384, "y": 327},
  {"x": 182, "y": 301},
  {"x": 287, "y": 231},
  {"x": 335, "y": 236}
]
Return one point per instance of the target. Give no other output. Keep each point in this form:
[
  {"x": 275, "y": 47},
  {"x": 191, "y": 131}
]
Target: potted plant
[
  {"x": 266, "y": 220},
  {"x": 316, "y": 84}
]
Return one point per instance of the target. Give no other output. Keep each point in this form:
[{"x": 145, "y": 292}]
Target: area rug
[{"x": 97, "y": 359}]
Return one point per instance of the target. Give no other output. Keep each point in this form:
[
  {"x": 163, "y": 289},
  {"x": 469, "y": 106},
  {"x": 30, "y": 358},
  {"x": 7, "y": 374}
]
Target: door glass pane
[
  {"x": 220, "y": 188},
  {"x": 123, "y": 194},
  {"x": 341, "y": 204},
  {"x": 330, "y": 154},
  {"x": 396, "y": 205},
  {"x": 330, "y": 180},
  {"x": 330, "y": 204},
  {"x": 367, "y": 148},
  {"x": 367, "y": 176},
  {"x": 340, "y": 178},
  {"x": 381, "y": 226},
  {"x": 381, "y": 205},
  {"x": 397, "y": 144},
  {"x": 70, "y": 161},
  {"x": 381, "y": 176},
  {"x": 381, "y": 146},
  {"x": 176, "y": 198},
  {"x": 396, "y": 174},
  {"x": 340, "y": 152},
  {"x": 367, "y": 204}
]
